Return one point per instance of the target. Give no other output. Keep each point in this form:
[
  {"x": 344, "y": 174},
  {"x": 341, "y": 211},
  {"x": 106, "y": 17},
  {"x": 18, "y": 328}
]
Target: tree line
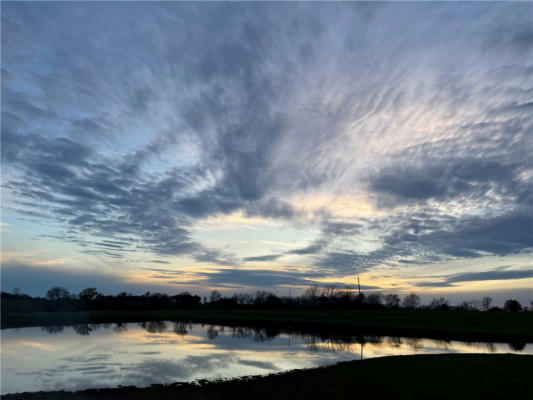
[{"x": 60, "y": 299}]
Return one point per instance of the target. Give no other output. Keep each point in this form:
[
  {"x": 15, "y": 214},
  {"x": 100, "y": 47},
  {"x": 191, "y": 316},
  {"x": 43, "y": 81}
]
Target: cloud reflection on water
[{"x": 107, "y": 355}]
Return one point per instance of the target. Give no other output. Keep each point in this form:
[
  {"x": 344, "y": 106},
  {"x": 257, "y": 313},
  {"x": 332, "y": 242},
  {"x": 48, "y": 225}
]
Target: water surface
[{"x": 109, "y": 355}]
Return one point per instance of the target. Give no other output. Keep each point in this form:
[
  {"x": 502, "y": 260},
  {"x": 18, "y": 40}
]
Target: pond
[{"x": 141, "y": 354}]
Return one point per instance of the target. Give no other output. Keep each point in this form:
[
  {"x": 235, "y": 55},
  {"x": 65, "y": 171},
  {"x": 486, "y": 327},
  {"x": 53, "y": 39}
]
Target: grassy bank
[
  {"x": 499, "y": 326},
  {"x": 450, "y": 376}
]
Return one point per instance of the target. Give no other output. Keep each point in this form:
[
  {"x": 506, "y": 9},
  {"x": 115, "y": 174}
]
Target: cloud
[
  {"x": 491, "y": 275},
  {"x": 448, "y": 179},
  {"x": 265, "y": 278},
  {"x": 122, "y": 143},
  {"x": 433, "y": 284},
  {"x": 268, "y": 257}
]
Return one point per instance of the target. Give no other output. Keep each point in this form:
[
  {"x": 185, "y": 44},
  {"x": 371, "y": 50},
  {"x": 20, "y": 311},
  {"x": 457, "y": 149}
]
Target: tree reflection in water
[
  {"x": 330, "y": 342},
  {"x": 53, "y": 329},
  {"x": 517, "y": 346},
  {"x": 120, "y": 327},
  {"x": 83, "y": 330},
  {"x": 154, "y": 326},
  {"x": 181, "y": 327}
]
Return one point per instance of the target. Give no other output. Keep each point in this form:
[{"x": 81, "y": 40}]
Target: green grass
[
  {"x": 450, "y": 376},
  {"x": 490, "y": 326}
]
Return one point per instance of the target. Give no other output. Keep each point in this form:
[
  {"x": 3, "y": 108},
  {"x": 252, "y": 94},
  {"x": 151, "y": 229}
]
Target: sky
[{"x": 268, "y": 146}]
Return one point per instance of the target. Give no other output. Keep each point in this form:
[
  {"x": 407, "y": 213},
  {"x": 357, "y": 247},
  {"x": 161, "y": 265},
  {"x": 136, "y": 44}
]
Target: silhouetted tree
[
  {"x": 243, "y": 299},
  {"x": 311, "y": 293},
  {"x": 463, "y": 306},
  {"x": 392, "y": 301},
  {"x": 57, "y": 293},
  {"x": 512, "y": 305},
  {"x": 439, "y": 304},
  {"x": 374, "y": 299},
  {"x": 411, "y": 301},
  {"x": 330, "y": 292},
  {"x": 88, "y": 294},
  {"x": 215, "y": 296},
  {"x": 485, "y": 303},
  {"x": 360, "y": 300},
  {"x": 475, "y": 305}
]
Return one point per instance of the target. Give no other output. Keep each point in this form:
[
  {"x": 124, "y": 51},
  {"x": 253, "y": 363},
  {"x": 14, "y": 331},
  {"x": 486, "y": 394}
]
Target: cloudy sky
[{"x": 244, "y": 146}]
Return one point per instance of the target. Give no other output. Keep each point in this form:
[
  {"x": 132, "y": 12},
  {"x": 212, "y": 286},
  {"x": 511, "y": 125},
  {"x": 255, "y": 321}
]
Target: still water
[{"x": 141, "y": 354}]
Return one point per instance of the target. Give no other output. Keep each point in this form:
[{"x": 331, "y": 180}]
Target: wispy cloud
[{"x": 121, "y": 138}]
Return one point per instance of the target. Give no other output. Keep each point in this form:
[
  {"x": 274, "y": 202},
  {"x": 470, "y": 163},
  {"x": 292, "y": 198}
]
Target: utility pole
[{"x": 359, "y": 284}]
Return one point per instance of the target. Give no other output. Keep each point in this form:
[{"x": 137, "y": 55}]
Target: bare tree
[
  {"x": 475, "y": 305},
  {"x": 57, "y": 293},
  {"x": 215, "y": 296},
  {"x": 375, "y": 299},
  {"x": 411, "y": 301},
  {"x": 439, "y": 304},
  {"x": 330, "y": 292},
  {"x": 485, "y": 303},
  {"x": 311, "y": 293},
  {"x": 392, "y": 301}
]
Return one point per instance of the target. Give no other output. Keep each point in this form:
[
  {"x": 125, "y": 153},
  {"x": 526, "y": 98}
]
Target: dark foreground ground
[
  {"x": 482, "y": 326},
  {"x": 450, "y": 376}
]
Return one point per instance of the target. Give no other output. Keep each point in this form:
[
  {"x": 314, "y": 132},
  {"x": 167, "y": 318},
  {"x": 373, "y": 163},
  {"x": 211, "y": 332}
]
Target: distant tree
[
  {"x": 374, "y": 299},
  {"x": 512, "y": 305},
  {"x": 485, "y": 303},
  {"x": 360, "y": 300},
  {"x": 440, "y": 304},
  {"x": 16, "y": 291},
  {"x": 261, "y": 297},
  {"x": 87, "y": 295},
  {"x": 330, "y": 292},
  {"x": 243, "y": 299},
  {"x": 311, "y": 293},
  {"x": 57, "y": 293},
  {"x": 411, "y": 301},
  {"x": 392, "y": 301},
  {"x": 186, "y": 299},
  {"x": 475, "y": 305},
  {"x": 215, "y": 296}
]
